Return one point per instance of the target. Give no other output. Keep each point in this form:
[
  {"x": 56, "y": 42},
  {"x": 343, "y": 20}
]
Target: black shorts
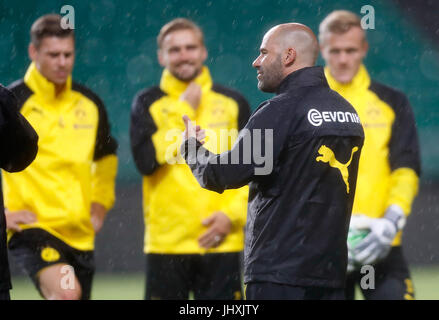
[
  {"x": 392, "y": 280},
  {"x": 35, "y": 249},
  {"x": 278, "y": 291},
  {"x": 4, "y": 295},
  {"x": 209, "y": 276}
]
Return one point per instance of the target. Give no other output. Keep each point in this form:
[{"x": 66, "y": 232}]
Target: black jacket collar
[{"x": 305, "y": 77}]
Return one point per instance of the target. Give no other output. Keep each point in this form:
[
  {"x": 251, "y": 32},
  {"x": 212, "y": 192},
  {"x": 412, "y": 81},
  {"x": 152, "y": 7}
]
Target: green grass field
[{"x": 131, "y": 286}]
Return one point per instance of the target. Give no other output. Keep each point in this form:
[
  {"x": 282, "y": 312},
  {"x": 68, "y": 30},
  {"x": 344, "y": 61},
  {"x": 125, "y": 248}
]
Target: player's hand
[
  {"x": 98, "y": 213},
  {"x": 378, "y": 243},
  {"x": 15, "y": 218},
  {"x": 192, "y": 131},
  {"x": 192, "y": 95},
  {"x": 359, "y": 227},
  {"x": 219, "y": 227}
]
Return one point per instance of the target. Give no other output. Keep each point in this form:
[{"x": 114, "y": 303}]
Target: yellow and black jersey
[
  {"x": 173, "y": 202},
  {"x": 76, "y": 162},
  {"x": 390, "y": 160}
]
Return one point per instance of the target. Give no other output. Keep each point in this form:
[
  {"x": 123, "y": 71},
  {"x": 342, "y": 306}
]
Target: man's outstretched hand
[{"x": 193, "y": 131}]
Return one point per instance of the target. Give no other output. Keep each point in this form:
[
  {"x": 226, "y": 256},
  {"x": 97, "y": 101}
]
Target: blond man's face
[
  {"x": 183, "y": 54},
  {"x": 344, "y": 53}
]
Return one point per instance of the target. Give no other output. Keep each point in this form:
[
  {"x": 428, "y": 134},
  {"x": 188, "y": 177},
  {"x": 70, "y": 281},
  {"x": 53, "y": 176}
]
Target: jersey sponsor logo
[
  {"x": 222, "y": 124},
  {"x": 316, "y": 118},
  {"x": 83, "y": 126},
  {"x": 49, "y": 254},
  {"x": 328, "y": 156}
]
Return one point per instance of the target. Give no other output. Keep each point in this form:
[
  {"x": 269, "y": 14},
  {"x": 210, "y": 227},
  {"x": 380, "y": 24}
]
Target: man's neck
[{"x": 59, "y": 88}]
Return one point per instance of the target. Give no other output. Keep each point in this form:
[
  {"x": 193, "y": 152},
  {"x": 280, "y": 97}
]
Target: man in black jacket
[
  {"x": 18, "y": 148},
  {"x": 301, "y": 194}
]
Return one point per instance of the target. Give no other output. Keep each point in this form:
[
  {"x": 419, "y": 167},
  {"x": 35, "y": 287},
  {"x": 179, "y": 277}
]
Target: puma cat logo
[{"x": 328, "y": 156}]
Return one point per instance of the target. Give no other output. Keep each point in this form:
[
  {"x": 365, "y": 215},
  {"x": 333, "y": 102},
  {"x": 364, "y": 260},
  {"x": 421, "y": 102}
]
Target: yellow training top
[
  {"x": 76, "y": 162},
  {"x": 174, "y": 203},
  {"x": 389, "y": 164}
]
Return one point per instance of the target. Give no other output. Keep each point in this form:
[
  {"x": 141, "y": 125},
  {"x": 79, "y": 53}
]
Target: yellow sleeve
[
  {"x": 167, "y": 138},
  {"x": 104, "y": 173},
  {"x": 12, "y": 199},
  {"x": 234, "y": 205},
  {"x": 404, "y": 184}
]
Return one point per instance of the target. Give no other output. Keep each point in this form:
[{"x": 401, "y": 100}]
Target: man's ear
[
  {"x": 322, "y": 49},
  {"x": 204, "y": 54},
  {"x": 32, "y": 51},
  {"x": 365, "y": 48},
  {"x": 160, "y": 57},
  {"x": 290, "y": 56}
]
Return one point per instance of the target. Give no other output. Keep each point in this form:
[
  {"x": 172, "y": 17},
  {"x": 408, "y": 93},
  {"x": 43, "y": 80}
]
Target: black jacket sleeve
[
  {"x": 404, "y": 142},
  {"x": 254, "y": 154},
  {"x": 244, "y": 113},
  {"x": 141, "y": 130},
  {"x": 106, "y": 144},
  {"x": 18, "y": 140}
]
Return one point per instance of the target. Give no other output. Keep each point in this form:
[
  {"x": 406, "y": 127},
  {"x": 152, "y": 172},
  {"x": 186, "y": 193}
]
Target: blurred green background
[{"x": 116, "y": 57}]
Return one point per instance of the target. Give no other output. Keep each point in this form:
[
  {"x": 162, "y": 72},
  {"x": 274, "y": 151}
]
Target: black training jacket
[
  {"x": 18, "y": 148},
  {"x": 298, "y": 212}
]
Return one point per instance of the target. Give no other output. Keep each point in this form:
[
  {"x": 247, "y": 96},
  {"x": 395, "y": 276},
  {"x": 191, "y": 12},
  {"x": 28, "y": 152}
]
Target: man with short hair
[
  {"x": 299, "y": 208},
  {"x": 55, "y": 207},
  {"x": 18, "y": 148},
  {"x": 193, "y": 237},
  {"x": 388, "y": 175}
]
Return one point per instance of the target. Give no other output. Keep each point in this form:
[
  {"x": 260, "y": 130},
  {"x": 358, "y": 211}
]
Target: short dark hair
[
  {"x": 49, "y": 26},
  {"x": 178, "y": 24}
]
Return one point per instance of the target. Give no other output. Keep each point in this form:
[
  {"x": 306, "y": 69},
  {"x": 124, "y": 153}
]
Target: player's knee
[
  {"x": 65, "y": 294},
  {"x": 68, "y": 295},
  {"x": 55, "y": 292}
]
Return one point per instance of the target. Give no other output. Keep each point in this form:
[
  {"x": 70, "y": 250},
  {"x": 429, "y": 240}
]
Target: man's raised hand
[{"x": 193, "y": 131}]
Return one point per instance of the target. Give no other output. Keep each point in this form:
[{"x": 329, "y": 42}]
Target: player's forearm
[
  {"x": 403, "y": 188},
  {"x": 104, "y": 180},
  {"x": 215, "y": 172}
]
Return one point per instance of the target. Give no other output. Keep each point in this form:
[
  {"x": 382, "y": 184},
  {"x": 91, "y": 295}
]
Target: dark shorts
[
  {"x": 4, "y": 295},
  {"x": 35, "y": 249},
  {"x": 209, "y": 276},
  {"x": 392, "y": 280},
  {"x": 278, "y": 291}
]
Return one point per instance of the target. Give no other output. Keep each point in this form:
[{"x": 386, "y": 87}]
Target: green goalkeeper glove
[{"x": 377, "y": 244}]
